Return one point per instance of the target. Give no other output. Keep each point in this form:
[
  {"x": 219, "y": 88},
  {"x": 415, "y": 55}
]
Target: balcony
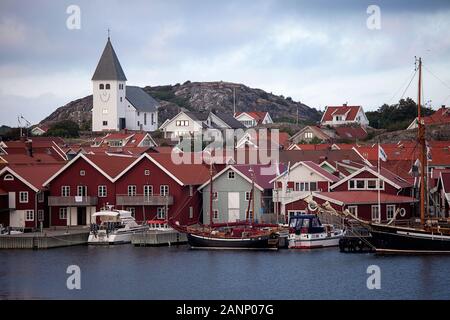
[
  {"x": 143, "y": 200},
  {"x": 72, "y": 201}
]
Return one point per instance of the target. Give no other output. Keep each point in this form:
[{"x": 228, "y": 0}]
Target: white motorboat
[
  {"x": 159, "y": 225},
  {"x": 307, "y": 232},
  {"x": 6, "y": 231},
  {"x": 116, "y": 227}
]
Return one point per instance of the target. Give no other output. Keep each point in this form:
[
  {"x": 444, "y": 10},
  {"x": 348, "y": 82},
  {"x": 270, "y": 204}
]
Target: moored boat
[
  {"x": 116, "y": 227},
  {"x": 307, "y": 232}
]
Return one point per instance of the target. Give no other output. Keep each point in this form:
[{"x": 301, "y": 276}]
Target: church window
[
  {"x": 105, "y": 123},
  {"x": 101, "y": 86},
  {"x": 145, "y": 118},
  {"x": 153, "y": 118},
  {"x": 108, "y": 86},
  {"x": 120, "y": 99}
]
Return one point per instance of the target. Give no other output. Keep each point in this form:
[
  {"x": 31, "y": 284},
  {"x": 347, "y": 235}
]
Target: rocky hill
[{"x": 200, "y": 96}]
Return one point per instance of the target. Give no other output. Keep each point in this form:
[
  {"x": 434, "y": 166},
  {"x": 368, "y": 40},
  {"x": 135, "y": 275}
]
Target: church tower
[{"x": 109, "y": 93}]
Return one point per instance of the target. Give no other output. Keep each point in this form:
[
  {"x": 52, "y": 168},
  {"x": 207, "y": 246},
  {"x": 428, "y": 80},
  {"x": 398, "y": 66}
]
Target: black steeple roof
[{"x": 108, "y": 67}]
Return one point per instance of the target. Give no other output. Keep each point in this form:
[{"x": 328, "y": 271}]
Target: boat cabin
[{"x": 305, "y": 223}]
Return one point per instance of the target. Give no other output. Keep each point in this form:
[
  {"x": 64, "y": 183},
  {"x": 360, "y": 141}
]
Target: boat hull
[
  {"x": 403, "y": 240},
  {"x": 263, "y": 242},
  {"x": 314, "y": 243},
  {"x": 100, "y": 238}
]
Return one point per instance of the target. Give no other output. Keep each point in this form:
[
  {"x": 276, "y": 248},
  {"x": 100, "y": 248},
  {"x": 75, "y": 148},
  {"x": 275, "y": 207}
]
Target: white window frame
[
  {"x": 29, "y": 215},
  {"x": 161, "y": 213},
  {"x": 231, "y": 175},
  {"x": 215, "y": 196},
  {"x": 191, "y": 212},
  {"x": 25, "y": 199},
  {"x": 215, "y": 214},
  {"x": 146, "y": 172},
  {"x": 41, "y": 216},
  {"x": 390, "y": 206},
  {"x": 82, "y": 188},
  {"x": 147, "y": 190},
  {"x": 247, "y": 195},
  {"x": 164, "y": 190},
  {"x": 132, "y": 190},
  {"x": 82, "y": 173},
  {"x": 372, "y": 212},
  {"x": 63, "y": 213},
  {"x": 355, "y": 213},
  {"x": 40, "y": 196},
  {"x": 102, "y": 191},
  {"x": 65, "y": 191},
  {"x": 8, "y": 177}
]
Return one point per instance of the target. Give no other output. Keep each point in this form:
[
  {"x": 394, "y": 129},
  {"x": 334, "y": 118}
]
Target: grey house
[{"x": 231, "y": 193}]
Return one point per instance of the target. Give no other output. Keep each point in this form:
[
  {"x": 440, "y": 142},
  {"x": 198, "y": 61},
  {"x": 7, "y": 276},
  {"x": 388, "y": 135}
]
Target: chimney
[
  {"x": 443, "y": 106},
  {"x": 344, "y": 104},
  {"x": 29, "y": 146}
]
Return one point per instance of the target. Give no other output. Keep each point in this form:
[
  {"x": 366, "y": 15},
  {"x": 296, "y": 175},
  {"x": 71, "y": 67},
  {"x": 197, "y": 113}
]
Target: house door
[
  {"x": 81, "y": 216},
  {"x": 233, "y": 206}
]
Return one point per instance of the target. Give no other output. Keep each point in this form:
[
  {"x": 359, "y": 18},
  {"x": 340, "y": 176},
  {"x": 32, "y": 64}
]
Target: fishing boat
[
  {"x": 430, "y": 235},
  {"x": 307, "y": 232},
  {"x": 237, "y": 235},
  {"x": 116, "y": 227}
]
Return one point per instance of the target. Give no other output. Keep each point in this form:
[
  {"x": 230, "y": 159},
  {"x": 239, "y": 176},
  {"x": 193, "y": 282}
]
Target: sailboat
[
  {"x": 431, "y": 236},
  {"x": 236, "y": 235}
]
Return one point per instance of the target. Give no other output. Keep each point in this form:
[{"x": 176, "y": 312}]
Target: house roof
[
  {"x": 197, "y": 116},
  {"x": 318, "y": 156},
  {"x": 33, "y": 175},
  {"x": 440, "y": 116},
  {"x": 351, "y": 132},
  {"x": 263, "y": 174},
  {"x": 230, "y": 120},
  {"x": 257, "y": 115},
  {"x": 362, "y": 197},
  {"x": 385, "y": 174},
  {"x": 141, "y": 100},
  {"x": 321, "y": 171},
  {"x": 350, "y": 111},
  {"x": 108, "y": 67}
]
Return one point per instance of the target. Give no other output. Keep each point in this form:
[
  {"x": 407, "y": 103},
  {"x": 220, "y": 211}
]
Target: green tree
[{"x": 64, "y": 129}]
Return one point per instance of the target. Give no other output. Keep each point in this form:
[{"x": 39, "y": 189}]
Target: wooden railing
[
  {"x": 73, "y": 201},
  {"x": 144, "y": 200}
]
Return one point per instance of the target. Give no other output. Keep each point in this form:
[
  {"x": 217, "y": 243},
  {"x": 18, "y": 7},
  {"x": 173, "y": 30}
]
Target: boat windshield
[{"x": 297, "y": 222}]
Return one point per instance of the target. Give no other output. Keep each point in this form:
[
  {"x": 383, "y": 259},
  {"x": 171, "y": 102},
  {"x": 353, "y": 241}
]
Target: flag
[
  {"x": 429, "y": 157},
  {"x": 381, "y": 154}
]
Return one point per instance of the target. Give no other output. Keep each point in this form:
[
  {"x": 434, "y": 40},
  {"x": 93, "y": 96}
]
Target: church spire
[{"x": 108, "y": 67}]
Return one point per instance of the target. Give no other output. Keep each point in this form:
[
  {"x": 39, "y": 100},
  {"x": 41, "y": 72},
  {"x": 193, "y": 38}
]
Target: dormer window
[
  {"x": 108, "y": 86},
  {"x": 101, "y": 86},
  {"x": 82, "y": 173},
  {"x": 8, "y": 177}
]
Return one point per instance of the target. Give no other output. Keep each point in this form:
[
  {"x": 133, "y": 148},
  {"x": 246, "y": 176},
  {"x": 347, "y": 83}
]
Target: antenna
[
  {"x": 109, "y": 33},
  {"x": 234, "y": 101}
]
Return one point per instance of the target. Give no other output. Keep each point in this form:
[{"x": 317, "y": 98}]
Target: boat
[
  {"x": 307, "y": 232},
  {"x": 245, "y": 234},
  {"x": 10, "y": 230},
  {"x": 116, "y": 227},
  {"x": 159, "y": 225}
]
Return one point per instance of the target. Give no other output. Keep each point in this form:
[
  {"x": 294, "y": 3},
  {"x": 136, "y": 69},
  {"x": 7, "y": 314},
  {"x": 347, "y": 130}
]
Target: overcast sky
[{"x": 317, "y": 52}]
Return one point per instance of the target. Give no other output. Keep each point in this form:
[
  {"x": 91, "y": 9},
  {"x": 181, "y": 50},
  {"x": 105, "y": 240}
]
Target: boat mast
[
  {"x": 422, "y": 154},
  {"x": 211, "y": 196}
]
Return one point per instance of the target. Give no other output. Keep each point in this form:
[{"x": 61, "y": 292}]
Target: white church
[{"x": 117, "y": 106}]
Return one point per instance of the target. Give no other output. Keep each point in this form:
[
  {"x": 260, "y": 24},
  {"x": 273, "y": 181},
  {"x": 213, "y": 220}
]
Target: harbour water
[{"x": 127, "y": 272}]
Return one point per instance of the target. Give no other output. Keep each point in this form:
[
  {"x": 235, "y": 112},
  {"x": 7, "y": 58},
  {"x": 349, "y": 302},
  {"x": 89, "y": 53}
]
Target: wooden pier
[
  {"x": 158, "y": 238},
  {"x": 49, "y": 238}
]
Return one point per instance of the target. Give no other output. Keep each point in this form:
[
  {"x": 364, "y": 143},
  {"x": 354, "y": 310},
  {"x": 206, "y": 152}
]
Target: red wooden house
[
  {"x": 25, "y": 205},
  {"x": 154, "y": 187}
]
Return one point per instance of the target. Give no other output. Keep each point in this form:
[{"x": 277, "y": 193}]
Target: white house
[
  {"x": 344, "y": 115},
  {"x": 254, "y": 118},
  {"x": 188, "y": 123},
  {"x": 117, "y": 106}
]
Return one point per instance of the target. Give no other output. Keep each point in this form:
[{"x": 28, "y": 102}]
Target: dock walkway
[{"x": 49, "y": 238}]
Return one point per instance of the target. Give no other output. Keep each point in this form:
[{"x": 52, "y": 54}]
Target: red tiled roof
[
  {"x": 340, "y": 110},
  {"x": 36, "y": 174},
  {"x": 257, "y": 115},
  {"x": 347, "y": 132},
  {"x": 365, "y": 197},
  {"x": 188, "y": 174},
  {"x": 321, "y": 171},
  {"x": 320, "y": 146},
  {"x": 111, "y": 165},
  {"x": 441, "y": 116}
]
